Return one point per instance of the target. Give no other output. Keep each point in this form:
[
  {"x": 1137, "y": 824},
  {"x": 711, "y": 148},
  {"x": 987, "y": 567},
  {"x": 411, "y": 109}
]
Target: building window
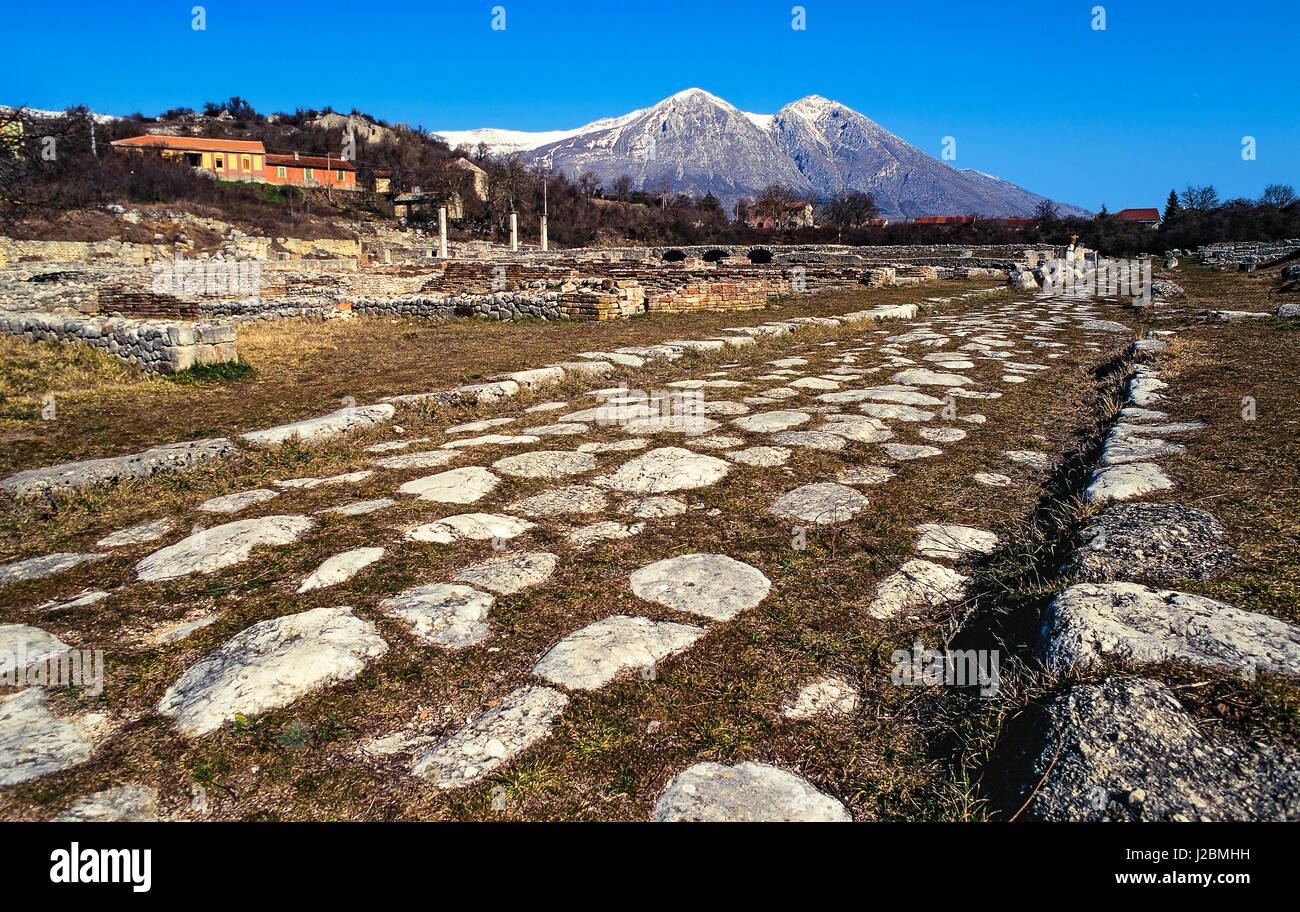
[
  {"x": 245, "y": 163},
  {"x": 219, "y": 160},
  {"x": 282, "y": 171},
  {"x": 306, "y": 173},
  {"x": 339, "y": 174}
]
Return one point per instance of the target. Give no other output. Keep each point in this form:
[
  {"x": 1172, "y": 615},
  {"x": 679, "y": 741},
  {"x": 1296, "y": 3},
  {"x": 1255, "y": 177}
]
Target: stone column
[
  {"x": 544, "y": 244},
  {"x": 442, "y": 232},
  {"x": 514, "y": 231}
]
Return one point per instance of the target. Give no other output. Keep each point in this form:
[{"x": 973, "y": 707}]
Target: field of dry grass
[{"x": 303, "y": 368}]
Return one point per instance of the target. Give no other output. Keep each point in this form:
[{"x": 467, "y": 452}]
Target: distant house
[
  {"x": 877, "y": 222},
  {"x": 1148, "y": 217},
  {"x": 311, "y": 171},
  {"x": 417, "y": 204},
  {"x": 478, "y": 174},
  {"x": 383, "y": 181},
  {"x": 794, "y": 215},
  {"x": 944, "y": 220},
  {"x": 228, "y": 159}
]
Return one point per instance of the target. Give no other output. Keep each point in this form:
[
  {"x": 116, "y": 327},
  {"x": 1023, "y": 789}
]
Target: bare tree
[
  {"x": 588, "y": 183},
  {"x": 1200, "y": 199},
  {"x": 850, "y": 209},
  {"x": 1279, "y": 195},
  {"x": 622, "y": 187},
  {"x": 1046, "y": 211},
  {"x": 775, "y": 203}
]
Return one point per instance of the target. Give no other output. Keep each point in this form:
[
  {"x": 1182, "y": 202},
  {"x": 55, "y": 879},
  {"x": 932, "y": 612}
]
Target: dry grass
[{"x": 305, "y": 368}]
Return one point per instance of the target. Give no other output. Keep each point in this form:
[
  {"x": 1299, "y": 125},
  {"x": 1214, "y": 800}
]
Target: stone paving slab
[{"x": 270, "y": 665}]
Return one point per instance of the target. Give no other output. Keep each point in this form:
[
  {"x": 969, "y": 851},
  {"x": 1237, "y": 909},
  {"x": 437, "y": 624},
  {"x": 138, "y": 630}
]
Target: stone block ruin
[{"x": 164, "y": 310}]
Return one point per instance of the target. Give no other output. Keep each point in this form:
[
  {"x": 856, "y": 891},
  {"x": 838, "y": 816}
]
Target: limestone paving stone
[
  {"x": 1124, "y": 448},
  {"x": 122, "y": 804},
  {"x": 718, "y": 442},
  {"x": 560, "y": 501},
  {"x": 616, "y": 446},
  {"x": 770, "y": 422},
  {"x": 444, "y": 614},
  {"x": 590, "y": 658},
  {"x": 496, "y": 737},
  {"x": 925, "y": 377},
  {"x": 474, "y": 427},
  {"x": 746, "y": 792},
  {"x": 814, "y": 440},
  {"x": 490, "y": 440},
  {"x": 269, "y": 665},
  {"x": 546, "y": 464},
  {"x": 1130, "y": 621},
  {"x": 425, "y": 459},
  {"x": 1035, "y": 460},
  {"x": 918, "y": 584},
  {"x": 340, "y": 568},
  {"x": 895, "y": 411},
  {"x": 1160, "y": 541},
  {"x": 828, "y": 696},
  {"x": 761, "y": 456},
  {"x": 308, "y": 483},
  {"x": 1125, "y": 482},
  {"x": 563, "y": 429},
  {"x": 46, "y": 565},
  {"x": 389, "y": 446},
  {"x": 35, "y": 742},
  {"x": 209, "y": 550},
  {"x": 671, "y": 424},
  {"x": 942, "y": 435},
  {"x": 992, "y": 479},
  {"x": 233, "y": 503},
  {"x": 608, "y": 530},
  {"x": 1127, "y": 750},
  {"x": 665, "y": 469},
  {"x": 954, "y": 542},
  {"x": 859, "y": 428},
  {"x": 908, "y": 451},
  {"x": 652, "y": 507},
  {"x": 361, "y": 507},
  {"x": 822, "y": 503},
  {"x": 455, "y": 486},
  {"x": 144, "y": 532},
  {"x": 22, "y": 646},
  {"x": 470, "y": 527},
  {"x": 512, "y": 573},
  {"x": 710, "y": 585},
  {"x": 864, "y": 475},
  {"x": 316, "y": 430}
]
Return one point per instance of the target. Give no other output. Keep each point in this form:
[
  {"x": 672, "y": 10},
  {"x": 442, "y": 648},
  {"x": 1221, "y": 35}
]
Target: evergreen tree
[{"x": 1172, "y": 207}]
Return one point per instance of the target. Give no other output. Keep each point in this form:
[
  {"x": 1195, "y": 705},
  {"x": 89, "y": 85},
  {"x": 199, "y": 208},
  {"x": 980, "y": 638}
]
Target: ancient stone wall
[{"x": 155, "y": 346}]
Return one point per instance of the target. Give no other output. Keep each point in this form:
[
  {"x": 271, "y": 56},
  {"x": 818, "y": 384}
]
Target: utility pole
[{"x": 92, "y": 137}]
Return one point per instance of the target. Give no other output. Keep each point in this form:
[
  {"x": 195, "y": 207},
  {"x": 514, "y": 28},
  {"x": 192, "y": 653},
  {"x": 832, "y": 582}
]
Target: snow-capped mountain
[{"x": 699, "y": 143}]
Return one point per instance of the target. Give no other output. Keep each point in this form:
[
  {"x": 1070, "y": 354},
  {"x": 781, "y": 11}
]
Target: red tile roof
[
  {"x": 190, "y": 143},
  {"x": 1138, "y": 215},
  {"x": 311, "y": 161}
]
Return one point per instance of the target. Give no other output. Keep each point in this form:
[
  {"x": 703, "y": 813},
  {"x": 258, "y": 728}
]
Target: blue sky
[{"x": 1030, "y": 90}]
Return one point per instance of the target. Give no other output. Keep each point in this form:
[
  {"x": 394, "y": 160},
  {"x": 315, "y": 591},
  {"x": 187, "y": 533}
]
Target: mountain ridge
[{"x": 699, "y": 143}]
